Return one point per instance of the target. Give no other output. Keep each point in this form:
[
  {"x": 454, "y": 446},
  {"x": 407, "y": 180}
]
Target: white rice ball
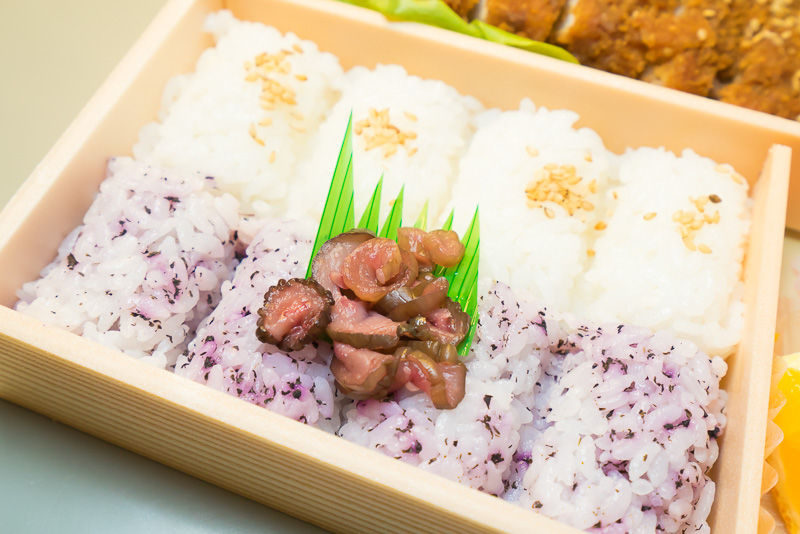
[
  {"x": 671, "y": 256},
  {"x": 246, "y": 113},
  {"x": 537, "y": 247},
  {"x": 409, "y": 130}
]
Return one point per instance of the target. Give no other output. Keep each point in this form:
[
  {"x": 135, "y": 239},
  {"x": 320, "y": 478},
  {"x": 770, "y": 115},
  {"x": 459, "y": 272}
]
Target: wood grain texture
[
  {"x": 739, "y": 468},
  {"x": 305, "y": 472},
  {"x": 260, "y": 455}
]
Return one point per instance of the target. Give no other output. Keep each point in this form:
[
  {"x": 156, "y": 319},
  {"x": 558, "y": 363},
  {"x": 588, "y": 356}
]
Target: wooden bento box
[{"x": 301, "y": 470}]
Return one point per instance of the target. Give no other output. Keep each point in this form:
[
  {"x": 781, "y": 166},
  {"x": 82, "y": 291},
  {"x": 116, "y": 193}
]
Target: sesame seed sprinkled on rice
[
  {"x": 379, "y": 132},
  {"x": 560, "y": 184}
]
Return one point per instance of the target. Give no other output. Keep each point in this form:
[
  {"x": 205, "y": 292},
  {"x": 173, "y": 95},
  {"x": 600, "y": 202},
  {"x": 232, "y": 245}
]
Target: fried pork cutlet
[
  {"x": 462, "y": 7},
  {"x": 606, "y": 34},
  {"x": 682, "y": 46},
  {"x": 766, "y": 73},
  {"x": 667, "y": 42},
  {"x": 746, "y": 52},
  {"x": 733, "y": 27},
  {"x": 530, "y": 18}
]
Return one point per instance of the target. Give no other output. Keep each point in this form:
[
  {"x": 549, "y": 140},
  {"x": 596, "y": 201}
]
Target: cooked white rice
[
  {"x": 144, "y": 267},
  {"x": 644, "y": 271},
  {"x": 227, "y": 356},
  {"x": 540, "y": 249},
  {"x": 246, "y": 112},
  {"x": 658, "y": 240},
  {"x": 411, "y": 131}
]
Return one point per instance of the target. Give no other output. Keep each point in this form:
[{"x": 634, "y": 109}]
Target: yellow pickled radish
[{"x": 787, "y": 490}]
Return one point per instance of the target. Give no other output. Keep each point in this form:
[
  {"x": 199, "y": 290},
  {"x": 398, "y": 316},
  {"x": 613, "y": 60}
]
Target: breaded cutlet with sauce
[
  {"x": 766, "y": 73},
  {"x": 462, "y": 7},
  {"x": 533, "y": 19},
  {"x": 746, "y": 52}
]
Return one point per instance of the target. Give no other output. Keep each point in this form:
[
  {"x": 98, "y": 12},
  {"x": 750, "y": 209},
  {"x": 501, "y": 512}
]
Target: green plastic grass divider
[
  {"x": 395, "y": 218},
  {"x": 448, "y": 224},
  {"x": 369, "y": 219},
  {"x": 422, "y": 220},
  {"x": 460, "y": 275},
  {"x": 346, "y": 222},
  {"x": 338, "y": 212},
  {"x": 463, "y": 279},
  {"x": 470, "y": 306}
]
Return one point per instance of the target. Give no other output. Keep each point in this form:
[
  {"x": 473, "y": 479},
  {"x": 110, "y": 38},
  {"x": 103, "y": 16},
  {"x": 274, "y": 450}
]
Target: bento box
[{"x": 298, "y": 469}]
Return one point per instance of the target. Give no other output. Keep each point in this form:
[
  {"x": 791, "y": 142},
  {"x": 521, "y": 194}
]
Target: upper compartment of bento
[{"x": 621, "y": 110}]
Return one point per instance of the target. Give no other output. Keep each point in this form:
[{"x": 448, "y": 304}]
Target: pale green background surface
[
  {"x": 53, "y": 479},
  {"x": 53, "y": 55}
]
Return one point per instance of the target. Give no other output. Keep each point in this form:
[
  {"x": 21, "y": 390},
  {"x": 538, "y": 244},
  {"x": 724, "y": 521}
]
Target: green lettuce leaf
[{"x": 437, "y": 13}]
